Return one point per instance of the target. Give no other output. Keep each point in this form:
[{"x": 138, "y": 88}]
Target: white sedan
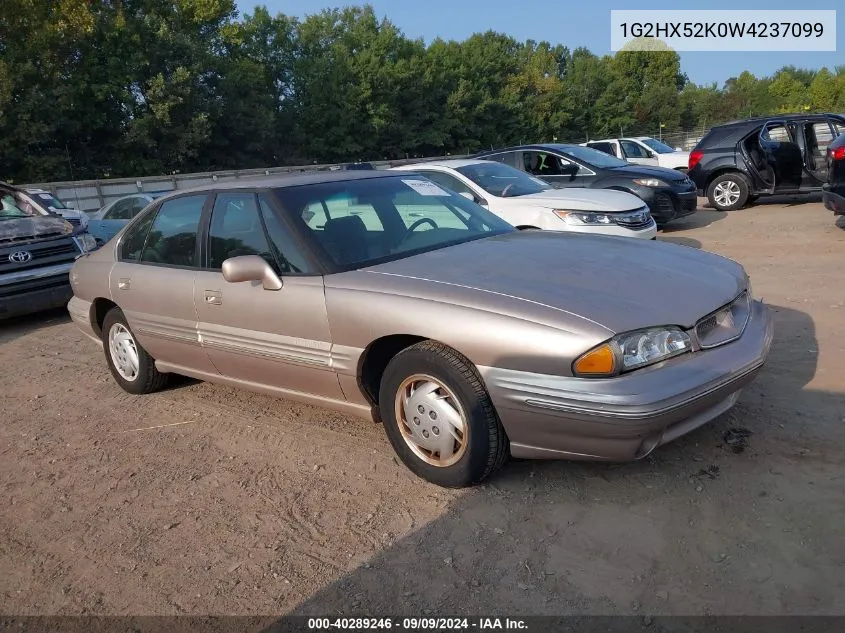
[{"x": 528, "y": 202}]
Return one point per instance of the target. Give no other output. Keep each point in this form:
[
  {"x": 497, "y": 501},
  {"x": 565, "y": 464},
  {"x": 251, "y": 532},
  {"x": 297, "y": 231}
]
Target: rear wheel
[
  {"x": 439, "y": 418},
  {"x": 130, "y": 364},
  {"x": 728, "y": 192}
]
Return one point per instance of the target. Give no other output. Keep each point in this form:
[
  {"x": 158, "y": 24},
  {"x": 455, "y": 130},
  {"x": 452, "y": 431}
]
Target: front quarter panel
[
  {"x": 89, "y": 279},
  {"x": 490, "y": 329}
]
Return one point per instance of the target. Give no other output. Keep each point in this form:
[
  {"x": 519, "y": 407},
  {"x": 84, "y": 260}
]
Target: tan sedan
[{"x": 383, "y": 295}]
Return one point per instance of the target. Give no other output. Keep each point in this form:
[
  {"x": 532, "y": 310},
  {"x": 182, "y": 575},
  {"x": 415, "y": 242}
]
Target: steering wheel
[
  {"x": 506, "y": 189},
  {"x": 419, "y": 222}
]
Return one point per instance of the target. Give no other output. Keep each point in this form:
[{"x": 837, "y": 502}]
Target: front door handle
[
  {"x": 124, "y": 283},
  {"x": 213, "y": 297}
]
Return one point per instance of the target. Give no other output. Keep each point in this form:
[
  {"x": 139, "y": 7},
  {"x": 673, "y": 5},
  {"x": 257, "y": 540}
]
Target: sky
[{"x": 575, "y": 23}]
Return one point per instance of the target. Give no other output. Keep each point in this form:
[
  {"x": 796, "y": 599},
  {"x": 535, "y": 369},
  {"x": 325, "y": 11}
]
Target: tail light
[
  {"x": 838, "y": 153},
  {"x": 694, "y": 158}
]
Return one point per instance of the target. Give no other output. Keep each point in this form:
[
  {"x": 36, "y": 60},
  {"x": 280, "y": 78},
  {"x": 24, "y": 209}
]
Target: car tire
[
  {"x": 475, "y": 450},
  {"x": 728, "y": 192},
  {"x": 130, "y": 364}
]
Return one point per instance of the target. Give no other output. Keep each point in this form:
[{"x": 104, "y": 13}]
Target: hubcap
[
  {"x": 123, "y": 351},
  {"x": 431, "y": 420},
  {"x": 726, "y": 193}
]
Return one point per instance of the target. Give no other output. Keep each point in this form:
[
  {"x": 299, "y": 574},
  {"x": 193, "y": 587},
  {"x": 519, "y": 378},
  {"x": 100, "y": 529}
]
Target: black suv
[
  {"x": 833, "y": 194},
  {"x": 736, "y": 163},
  {"x": 668, "y": 193}
]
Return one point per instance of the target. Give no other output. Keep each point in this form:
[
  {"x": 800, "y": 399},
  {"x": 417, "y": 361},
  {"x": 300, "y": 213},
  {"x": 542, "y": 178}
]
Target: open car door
[
  {"x": 817, "y": 137},
  {"x": 781, "y": 161}
]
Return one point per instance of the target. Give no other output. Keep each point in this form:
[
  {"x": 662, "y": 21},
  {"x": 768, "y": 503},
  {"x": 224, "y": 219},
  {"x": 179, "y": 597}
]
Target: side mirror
[
  {"x": 569, "y": 169},
  {"x": 251, "y": 268}
]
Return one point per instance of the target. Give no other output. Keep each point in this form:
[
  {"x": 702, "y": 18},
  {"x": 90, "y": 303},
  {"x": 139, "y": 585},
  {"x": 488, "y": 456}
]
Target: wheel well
[
  {"x": 99, "y": 309},
  {"x": 722, "y": 172},
  {"x": 375, "y": 358}
]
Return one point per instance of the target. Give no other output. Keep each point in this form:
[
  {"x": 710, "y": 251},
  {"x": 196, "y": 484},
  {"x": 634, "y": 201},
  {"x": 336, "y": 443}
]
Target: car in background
[
  {"x": 467, "y": 339},
  {"x": 833, "y": 191},
  {"x": 643, "y": 150},
  {"x": 527, "y": 202},
  {"x": 736, "y": 163},
  {"x": 52, "y": 204},
  {"x": 108, "y": 220},
  {"x": 36, "y": 255},
  {"x": 668, "y": 193}
]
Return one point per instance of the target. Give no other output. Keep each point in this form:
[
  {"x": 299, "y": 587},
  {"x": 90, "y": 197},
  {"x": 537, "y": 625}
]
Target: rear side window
[
  {"x": 607, "y": 148},
  {"x": 173, "y": 237},
  {"x": 133, "y": 241}
]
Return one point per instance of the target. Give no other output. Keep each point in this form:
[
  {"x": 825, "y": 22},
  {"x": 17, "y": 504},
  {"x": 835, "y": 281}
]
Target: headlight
[
  {"x": 86, "y": 242},
  {"x": 584, "y": 218},
  {"x": 650, "y": 182},
  {"x": 632, "y": 350}
]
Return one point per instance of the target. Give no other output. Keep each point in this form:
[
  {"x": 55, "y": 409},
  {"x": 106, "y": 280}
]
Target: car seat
[{"x": 346, "y": 239}]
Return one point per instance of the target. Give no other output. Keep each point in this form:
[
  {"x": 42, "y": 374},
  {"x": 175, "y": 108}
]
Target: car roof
[
  {"x": 560, "y": 147},
  {"x": 452, "y": 163},
  {"x": 282, "y": 181},
  {"x": 776, "y": 117}
]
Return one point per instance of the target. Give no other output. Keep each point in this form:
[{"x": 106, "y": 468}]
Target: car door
[
  {"x": 275, "y": 338},
  {"x": 636, "y": 153},
  {"x": 153, "y": 281},
  {"x": 817, "y": 135},
  {"x": 782, "y": 155}
]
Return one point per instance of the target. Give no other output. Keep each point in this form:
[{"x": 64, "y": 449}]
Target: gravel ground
[{"x": 204, "y": 499}]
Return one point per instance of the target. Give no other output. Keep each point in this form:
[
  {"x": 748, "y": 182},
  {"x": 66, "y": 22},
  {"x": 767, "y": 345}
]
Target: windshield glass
[
  {"x": 503, "y": 181},
  {"x": 48, "y": 200},
  {"x": 657, "y": 146},
  {"x": 12, "y": 206},
  {"x": 363, "y": 222},
  {"x": 593, "y": 157}
]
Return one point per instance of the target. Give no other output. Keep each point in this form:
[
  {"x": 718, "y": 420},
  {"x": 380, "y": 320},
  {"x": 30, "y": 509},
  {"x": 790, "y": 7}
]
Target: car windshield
[
  {"x": 49, "y": 200},
  {"x": 502, "y": 180},
  {"x": 658, "y": 146},
  {"x": 363, "y": 222},
  {"x": 593, "y": 157},
  {"x": 14, "y": 207}
]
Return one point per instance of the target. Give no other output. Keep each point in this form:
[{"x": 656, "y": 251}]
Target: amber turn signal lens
[{"x": 598, "y": 362}]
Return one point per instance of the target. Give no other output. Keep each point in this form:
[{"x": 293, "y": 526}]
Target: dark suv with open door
[{"x": 738, "y": 162}]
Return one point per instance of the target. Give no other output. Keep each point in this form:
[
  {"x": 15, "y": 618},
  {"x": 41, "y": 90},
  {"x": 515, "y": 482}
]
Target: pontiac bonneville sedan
[{"x": 384, "y": 295}]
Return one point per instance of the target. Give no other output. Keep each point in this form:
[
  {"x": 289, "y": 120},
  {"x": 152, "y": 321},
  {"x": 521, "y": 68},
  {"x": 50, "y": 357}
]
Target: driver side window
[
  {"x": 633, "y": 150},
  {"x": 448, "y": 181}
]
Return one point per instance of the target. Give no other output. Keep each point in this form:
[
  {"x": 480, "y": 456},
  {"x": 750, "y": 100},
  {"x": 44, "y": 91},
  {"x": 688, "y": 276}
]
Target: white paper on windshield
[{"x": 425, "y": 188}]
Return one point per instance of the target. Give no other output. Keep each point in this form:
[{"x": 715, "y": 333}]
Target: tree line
[{"x": 99, "y": 88}]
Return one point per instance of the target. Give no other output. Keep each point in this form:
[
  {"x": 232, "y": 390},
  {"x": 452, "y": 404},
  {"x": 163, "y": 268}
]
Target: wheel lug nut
[
  {"x": 416, "y": 420},
  {"x": 425, "y": 433},
  {"x": 432, "y": 415},
  {"x": 435, "y": 430},
  {"x": 421, "y": 408}
]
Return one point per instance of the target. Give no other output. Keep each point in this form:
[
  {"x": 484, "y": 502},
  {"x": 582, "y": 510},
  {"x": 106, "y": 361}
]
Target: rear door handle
[
  {"x": 124, "y": 283},
  {"x": 213, "y": 297}
]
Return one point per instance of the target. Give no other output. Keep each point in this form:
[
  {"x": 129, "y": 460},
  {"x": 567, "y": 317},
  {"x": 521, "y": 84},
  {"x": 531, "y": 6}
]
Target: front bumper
[
  {"x": 28, "y": 293},
  {"x": 648, "y": 232},
  {"x": 669, "y": 203},
  {"x": 627, "y": 417}
]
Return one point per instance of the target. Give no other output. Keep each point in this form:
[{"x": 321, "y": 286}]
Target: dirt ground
[{"x": 208, "y": 500}]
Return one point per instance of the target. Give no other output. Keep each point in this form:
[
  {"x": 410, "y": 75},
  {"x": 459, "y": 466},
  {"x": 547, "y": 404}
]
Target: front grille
[
  {"x": 689, "y": 204},
  {"x": 74, "y": 221},
  {"x": 8, "y": 291},
  {"x": 46, "y": 253},
  {"x": 663, "y": 205},
  {"x": 725, "y": 324}
]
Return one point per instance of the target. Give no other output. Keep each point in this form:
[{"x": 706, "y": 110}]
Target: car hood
[
  {"x": 580, "y": 200},
  {"x": 19, "y": 230},
  {"x": 619, "y": 283},
  {"x": 646, "y": 171}
]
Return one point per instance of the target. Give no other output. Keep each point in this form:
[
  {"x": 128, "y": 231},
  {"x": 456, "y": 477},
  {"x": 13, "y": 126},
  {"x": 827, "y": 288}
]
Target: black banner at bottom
[{"x": 534, "y": 624}]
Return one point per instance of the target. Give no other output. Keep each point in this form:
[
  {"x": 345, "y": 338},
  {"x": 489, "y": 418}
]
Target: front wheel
[
  {"x": 728, "y": 192},
  {"x": 130, "y": 364},
  {"x": 439, "y": 417}
]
